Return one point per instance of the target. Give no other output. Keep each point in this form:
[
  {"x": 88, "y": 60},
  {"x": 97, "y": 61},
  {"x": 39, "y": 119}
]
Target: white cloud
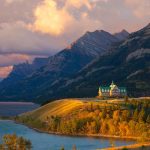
[
  {"x": 12, "y": 1},
  {"x": 55, "y": 20},
  {"x": 17, "y": 38},
  {"x": 140, "y": 8},
  {"x": 50, "y": 19},
  {"x": 42, "y": 27},
  {"x": 9, "y": 59}
]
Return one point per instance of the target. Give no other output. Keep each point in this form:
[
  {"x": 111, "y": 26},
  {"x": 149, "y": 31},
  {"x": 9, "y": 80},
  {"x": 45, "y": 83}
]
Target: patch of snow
[
  {"x": 73, "y": 80},
  {"x": 135, "y": 73},
  {"x": 98, "y": 69},
  {"x": 137, "y": 54},
  {"x": 129, "y": 40}
]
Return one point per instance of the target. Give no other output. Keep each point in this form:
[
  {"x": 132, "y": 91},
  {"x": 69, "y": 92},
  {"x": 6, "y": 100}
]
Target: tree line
[
  {"x": 131, "y": 118},
  {"x": 13, "y": 142}
]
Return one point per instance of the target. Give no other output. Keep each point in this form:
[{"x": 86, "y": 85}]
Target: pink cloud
[
  {"x": 140, "y": 8},
  {"x": 9, "y": 59},
  {"x": 4, "y": 71}
]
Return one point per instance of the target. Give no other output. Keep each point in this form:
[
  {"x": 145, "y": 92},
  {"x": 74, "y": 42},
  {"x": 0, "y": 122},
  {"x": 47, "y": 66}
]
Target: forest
[
  {"x": 130, "y": 118},
  {"x": 13, "y": 142}
]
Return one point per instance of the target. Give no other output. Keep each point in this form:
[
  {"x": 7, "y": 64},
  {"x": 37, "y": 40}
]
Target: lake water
[
  {"x": 16, "y": 108},
  {"x": 43, "y": 141}
]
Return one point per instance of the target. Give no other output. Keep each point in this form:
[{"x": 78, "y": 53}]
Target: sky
[{"x": 40, "y": 28}]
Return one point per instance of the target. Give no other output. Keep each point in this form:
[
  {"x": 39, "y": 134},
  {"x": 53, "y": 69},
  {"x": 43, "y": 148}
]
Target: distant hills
[
  {"x": 122, "y": 35},
  {"x": 127, "y": 63},
  {"x": 95, "y": 59},
  {"x": 27, "y": 81}
]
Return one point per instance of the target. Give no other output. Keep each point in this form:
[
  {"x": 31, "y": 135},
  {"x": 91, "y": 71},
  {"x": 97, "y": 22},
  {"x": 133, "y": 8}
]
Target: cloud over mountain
[
  {"x": 43, "y": 27},
  {"x": 54, "y": 18},
  {"x": 4, "y": 71}
]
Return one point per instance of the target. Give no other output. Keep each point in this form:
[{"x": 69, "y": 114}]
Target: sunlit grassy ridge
[
  {"x": 129, "y": 118},
  {"x": 64, "y": 107},
  {"x": 57, "y": 108}
]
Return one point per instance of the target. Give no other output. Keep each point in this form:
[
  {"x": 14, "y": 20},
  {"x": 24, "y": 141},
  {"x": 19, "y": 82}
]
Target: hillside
[
  {"x": 93, "y": 116},
  {"x": 122, "y": 35},
  {"x": 26, "y": 82},
  {"x": 21, "y": 71},
  {"x": 57, "y": 108},
  {"x": 127, "y": 64}
]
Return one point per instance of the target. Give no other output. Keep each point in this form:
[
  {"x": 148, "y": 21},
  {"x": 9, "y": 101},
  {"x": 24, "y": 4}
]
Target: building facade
[{"x": 112, "y": 91}]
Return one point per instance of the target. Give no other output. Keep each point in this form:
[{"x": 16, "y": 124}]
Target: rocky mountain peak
[
  {"x": 122, "y": 35},
  {"x": 93, "y": 43}
]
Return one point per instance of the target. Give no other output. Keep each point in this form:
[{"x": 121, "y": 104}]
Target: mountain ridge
[
  {"x": 127, "y": 64},
  {"x": 60, "y": 66}
]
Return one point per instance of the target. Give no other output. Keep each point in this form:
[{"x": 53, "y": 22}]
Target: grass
[
  {"x": 74, "y": 111},
  {"x": 66, "y": 106},
  {"x": 57, "y": 108},
  {"x": 138, "y": 146}
]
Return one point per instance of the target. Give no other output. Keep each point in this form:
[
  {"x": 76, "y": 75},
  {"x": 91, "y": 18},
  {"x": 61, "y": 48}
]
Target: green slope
[{"x": 57, "y": 108}]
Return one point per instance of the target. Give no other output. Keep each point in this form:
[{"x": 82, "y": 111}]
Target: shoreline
[
  {"x": 136, "y": 146},
  {"x": 81, "y": 135}
]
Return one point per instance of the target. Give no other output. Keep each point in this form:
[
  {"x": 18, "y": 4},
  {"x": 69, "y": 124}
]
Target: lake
[
  {"x": 16, "y": 108},
  {"x": 43, "y": 141}
]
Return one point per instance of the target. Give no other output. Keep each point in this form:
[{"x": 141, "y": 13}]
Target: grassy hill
[
  {"x": 56, "y": 108},
  {"x": 113, "y": 117},
  {"x": 65, "y": 107}
]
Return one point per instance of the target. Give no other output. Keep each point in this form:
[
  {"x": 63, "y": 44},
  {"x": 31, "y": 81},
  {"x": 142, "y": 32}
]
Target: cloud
[
  {"x": 140, "y": 8},
  {"x": 30, "y": 28},
  {"x": 9, "y": 59},
  {"x": 79, "y": 3},
  {"x": 4, "y": 71},
  {"x": 50, "y": 19},
  {"x": 53, "y": 19},
  {"x": 17, "y": 38},
  {"x": 11, "y": 1}
]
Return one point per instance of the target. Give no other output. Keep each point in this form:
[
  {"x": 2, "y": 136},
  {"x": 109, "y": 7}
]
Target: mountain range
[
  {"x": 1, "y": 79},
  {"x": 127, "y": 63},
  {"x": 96, "y": 58}
]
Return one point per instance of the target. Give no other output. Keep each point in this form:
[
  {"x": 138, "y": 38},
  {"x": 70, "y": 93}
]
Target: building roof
[
  {"x": 105, "y": 87},
  {"x": 122, "y": 89}
]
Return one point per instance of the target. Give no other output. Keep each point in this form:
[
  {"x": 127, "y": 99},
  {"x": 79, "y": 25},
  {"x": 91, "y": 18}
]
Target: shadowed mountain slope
[{"x": 26, "y": 82}]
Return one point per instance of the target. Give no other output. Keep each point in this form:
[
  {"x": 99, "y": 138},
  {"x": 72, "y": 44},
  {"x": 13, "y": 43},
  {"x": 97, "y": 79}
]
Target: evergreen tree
[
  {"x": 135, "y": 115},
  {"x": 12, "y": 142},
  {"x": 62, "y": 148},
  {"x": 148, "y": 119},
  {"x": 141, "y": 116},
  {"x": 74, "y": 147}
]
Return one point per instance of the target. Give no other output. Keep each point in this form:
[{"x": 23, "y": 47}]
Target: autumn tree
[
  {"x": 141, "y": 116},
  {"x": 74, "y": 147},
  {"x": 12, "y": 142},
  {"x": 135, "y": 115}
]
